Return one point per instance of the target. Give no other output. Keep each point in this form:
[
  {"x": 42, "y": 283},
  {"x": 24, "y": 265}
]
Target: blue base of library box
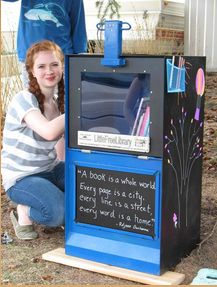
[{"x": 114, "y": 203}]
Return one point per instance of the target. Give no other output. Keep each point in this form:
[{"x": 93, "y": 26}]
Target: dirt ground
[{"x": 22, "y": 261}]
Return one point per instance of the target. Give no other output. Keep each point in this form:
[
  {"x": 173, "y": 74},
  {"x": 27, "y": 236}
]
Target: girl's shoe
[{"x": 23, "y": 232}]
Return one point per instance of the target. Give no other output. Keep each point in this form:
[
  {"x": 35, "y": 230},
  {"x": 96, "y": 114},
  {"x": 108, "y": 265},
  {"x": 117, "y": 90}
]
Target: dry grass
[
  {"x": 10, "y": 73},
  {"x": 152, "y": 47},
  {"x": 146, "y": 47}
]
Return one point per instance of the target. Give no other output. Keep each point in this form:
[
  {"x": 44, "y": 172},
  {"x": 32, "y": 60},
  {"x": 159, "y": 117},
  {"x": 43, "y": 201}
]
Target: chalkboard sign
[{"x": 116, "y": 199}]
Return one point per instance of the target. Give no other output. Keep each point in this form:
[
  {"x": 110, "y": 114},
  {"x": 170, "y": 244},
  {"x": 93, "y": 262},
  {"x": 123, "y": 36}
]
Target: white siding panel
[
  {"x": 200, "y": 27},
  {"x": 209, "y": 33},
  {"x": 201, "y": 30},
  {"x": 214, "y": 49}
]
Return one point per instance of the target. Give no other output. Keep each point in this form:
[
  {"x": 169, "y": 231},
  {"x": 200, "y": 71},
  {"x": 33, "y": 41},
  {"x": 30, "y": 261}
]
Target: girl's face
[{"x": 47, "y": 69}]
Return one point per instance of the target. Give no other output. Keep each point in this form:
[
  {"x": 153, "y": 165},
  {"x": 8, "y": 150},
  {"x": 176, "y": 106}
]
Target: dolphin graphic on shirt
[{"x": 42, "y": 15}]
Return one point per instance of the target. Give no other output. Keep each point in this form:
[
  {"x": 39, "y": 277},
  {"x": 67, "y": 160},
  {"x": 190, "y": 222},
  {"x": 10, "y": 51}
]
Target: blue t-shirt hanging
[{"x": 60, "y": 21}]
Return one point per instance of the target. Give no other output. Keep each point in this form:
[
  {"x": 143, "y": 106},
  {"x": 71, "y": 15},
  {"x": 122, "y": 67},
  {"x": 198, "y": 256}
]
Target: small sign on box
[{"x": 114, "y": 141}]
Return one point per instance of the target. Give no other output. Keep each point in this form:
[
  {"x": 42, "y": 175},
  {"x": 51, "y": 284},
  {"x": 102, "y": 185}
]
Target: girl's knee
[
  {"x": 57, "y": 218},
  {"x": 50, "y": 216}
]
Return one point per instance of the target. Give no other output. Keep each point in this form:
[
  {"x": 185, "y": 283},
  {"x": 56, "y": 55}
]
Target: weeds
[{"x": 10, "y": 73}]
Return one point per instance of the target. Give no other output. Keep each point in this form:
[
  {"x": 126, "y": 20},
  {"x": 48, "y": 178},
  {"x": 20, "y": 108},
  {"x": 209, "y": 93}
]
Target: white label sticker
[{"x": 114, "y": 141}]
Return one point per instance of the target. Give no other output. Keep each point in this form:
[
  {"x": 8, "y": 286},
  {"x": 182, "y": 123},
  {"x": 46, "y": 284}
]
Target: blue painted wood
[
  {"x": 113, "y": 42},
  {"x": 106, "y": 245}
]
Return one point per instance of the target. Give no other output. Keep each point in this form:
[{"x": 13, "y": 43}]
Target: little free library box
[{"x": 134, "y": 139}]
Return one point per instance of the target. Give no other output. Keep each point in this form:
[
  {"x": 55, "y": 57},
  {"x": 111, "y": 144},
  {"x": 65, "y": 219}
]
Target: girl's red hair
[{"x": 33, "y": 84}]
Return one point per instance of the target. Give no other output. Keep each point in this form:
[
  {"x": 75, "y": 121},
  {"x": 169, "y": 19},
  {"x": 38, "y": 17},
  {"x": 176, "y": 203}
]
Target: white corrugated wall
[{"x": 201, "y": 31}]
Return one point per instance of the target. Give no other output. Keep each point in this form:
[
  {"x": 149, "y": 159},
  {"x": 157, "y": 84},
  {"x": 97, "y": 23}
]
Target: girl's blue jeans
[{"x": 44, "y": 194}]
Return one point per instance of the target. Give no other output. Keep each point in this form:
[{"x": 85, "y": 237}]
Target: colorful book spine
[
  {"x": 147, "y": 126},
  {"x": 140, "y": 124},
  {"x": 145, "y": 123},
  {"x": 135, "y": 125}
]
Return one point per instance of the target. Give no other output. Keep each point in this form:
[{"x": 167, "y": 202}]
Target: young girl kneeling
[{"x": 33, "y": 175}]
